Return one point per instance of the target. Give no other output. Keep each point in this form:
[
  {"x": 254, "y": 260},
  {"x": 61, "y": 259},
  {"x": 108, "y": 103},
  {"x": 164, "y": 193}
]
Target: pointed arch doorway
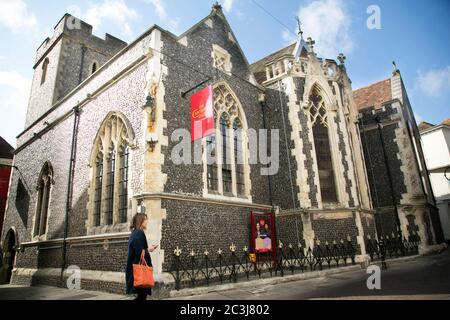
[{"x": 9, "y": 256}]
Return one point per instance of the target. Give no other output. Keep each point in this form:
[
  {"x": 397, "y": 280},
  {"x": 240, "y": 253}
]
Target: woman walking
[{"x": 136, "y": 244}]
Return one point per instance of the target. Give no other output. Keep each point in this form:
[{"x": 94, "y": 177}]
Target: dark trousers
[{"x": 142, "y": 296}]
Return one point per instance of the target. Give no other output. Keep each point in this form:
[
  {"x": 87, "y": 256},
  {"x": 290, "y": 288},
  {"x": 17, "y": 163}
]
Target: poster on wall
[
  {"x": 263, "y": 234},
  {"x": 202, "y": 114}
]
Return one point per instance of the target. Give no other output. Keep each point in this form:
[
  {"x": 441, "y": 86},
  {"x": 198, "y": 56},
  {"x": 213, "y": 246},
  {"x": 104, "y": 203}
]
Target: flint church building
[{"x": 97, "y": 148}]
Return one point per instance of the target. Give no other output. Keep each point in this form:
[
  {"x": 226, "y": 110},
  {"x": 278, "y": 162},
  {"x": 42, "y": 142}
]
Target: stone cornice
[{"x": 192, "y": 198}]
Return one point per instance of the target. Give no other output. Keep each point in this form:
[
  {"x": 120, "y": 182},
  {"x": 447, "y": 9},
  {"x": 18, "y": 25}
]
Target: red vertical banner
[{"x": 202, "y": 114}]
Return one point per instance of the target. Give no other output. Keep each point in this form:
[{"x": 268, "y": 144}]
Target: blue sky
[{"x": 414, "y": 33}]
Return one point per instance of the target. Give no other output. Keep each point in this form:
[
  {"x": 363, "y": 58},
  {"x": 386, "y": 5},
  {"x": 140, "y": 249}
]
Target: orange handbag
[{"x": 143, "y": 274}]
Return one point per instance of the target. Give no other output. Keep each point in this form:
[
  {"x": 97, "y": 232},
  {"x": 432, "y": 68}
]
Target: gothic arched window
[
  {"x": 44, "y": 189},
  {"x": 110, "y": 162},
  {"x": 44, "y": 70},
  {"x": 319, "y": 120},
  {"x": 227, "y": 169}
]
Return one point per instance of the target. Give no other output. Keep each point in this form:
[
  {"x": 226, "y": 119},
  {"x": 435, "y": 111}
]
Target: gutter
[{"x": 76, "y": 120}]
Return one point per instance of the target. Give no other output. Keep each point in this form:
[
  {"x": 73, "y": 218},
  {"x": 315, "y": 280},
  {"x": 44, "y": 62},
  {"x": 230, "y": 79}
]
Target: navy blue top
[{"x": 136, "y": 244}]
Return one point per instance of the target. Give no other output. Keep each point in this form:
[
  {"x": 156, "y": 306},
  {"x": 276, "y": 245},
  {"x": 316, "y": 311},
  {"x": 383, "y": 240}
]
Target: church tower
[{"x": 70, "y": 56}]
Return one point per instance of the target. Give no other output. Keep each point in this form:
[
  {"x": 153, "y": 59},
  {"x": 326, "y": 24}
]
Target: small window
[
  {"x": 221, "y": 59},
  {"x": 44, "y": 70},
  {"x": 94, "y": 67}
]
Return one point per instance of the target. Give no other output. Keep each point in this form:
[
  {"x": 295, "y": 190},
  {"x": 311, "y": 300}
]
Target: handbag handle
[{"x": 142, "y": 261}]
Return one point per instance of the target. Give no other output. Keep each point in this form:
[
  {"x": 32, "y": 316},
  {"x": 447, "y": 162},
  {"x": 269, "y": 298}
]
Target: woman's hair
[{"x": 138, "y": 219}]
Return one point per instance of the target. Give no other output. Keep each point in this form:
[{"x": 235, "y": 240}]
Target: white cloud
[
  {"x": 228, "y": 5},
  {"x": 14, "y": 93},
  {"x": 115, "y": 11},
  {"x": 159, "y": 7},
  {"x": 328, "y": 23},
  {"x": 433, "y": 82},
  {"x": 14, "y": 15},
  {"x": 175, "y": 24}
]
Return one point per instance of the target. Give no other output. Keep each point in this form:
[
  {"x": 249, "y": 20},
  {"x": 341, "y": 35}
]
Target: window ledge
[
  {"x": 227, "y": 197},
  {"x": 102, "y": 230}
]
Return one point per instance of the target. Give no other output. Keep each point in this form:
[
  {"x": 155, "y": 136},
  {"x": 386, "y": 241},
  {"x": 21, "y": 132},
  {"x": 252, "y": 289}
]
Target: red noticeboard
[
  {"x": 263, "y": 235},
  {"x": 5, "y": 173},
  {"x": 202, "y": 114}
]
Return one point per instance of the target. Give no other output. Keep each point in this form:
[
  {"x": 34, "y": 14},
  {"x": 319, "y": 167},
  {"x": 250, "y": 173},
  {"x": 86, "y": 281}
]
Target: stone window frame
[
  {"x": 232, "y": 113},
  {"x": 45, "y": 65},
  {"x": 91, "y": 67},
  {"x": 331, "y": 113},
  {"x": 42, "y": 210},
  {"x": 115, "y": 136},
  {"x": 218, "y": 53}
]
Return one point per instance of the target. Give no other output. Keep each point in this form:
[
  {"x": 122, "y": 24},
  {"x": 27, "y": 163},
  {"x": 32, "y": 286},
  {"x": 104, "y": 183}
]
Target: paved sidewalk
[
  {"x": 9, "y": 292},
  {"x": 419, "y": 278}
]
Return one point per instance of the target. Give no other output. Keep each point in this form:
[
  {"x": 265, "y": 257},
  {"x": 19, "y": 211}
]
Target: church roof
[
  {"x": 6, "y": 150},
  {"x": 424, "y": 126},
  {"x": 373, "y": 95}
]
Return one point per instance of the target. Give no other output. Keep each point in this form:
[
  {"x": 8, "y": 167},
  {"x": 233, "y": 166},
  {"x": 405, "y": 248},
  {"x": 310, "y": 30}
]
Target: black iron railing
[
  {"x": 192, "y": 269},
  {"x": 393, "y": 246}
]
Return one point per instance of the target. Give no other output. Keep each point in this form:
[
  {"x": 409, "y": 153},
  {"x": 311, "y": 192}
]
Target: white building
[{"x": 436, "y": 146}]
